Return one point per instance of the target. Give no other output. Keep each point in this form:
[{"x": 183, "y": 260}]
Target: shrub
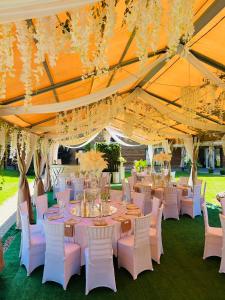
[
  {"x": 222, "y": 171},
  {"x": 210, "y": 170},
  {"x": 112, "y": 155}
]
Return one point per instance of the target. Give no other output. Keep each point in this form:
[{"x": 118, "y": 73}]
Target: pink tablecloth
[{"x": 81, "y": 236}]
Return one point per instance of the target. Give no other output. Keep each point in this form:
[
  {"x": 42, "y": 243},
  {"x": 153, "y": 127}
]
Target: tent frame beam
[{"x": 77, "y": 79}]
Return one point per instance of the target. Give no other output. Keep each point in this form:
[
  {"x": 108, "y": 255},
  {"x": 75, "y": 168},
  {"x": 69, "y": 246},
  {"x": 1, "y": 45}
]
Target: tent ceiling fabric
[{"x": 160, "y": 76}]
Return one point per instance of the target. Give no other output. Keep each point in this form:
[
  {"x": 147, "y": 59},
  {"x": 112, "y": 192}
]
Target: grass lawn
[
  {"x": 214, "y": 184},
  {"x": 10, "y": 186}
]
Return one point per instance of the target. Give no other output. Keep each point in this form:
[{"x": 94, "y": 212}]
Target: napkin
[
  {"x": 131, "y": 206},
  {"x": 135, "y": 212},
  {"x": 100, "y": 222},
  {"x": 57, "y": 217},
  {"x": 74, "y": 201},
  {"x": 125, "y": 223}
]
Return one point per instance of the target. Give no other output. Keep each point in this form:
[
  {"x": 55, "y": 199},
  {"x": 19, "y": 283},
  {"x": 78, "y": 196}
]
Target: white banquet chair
[
  {"x": 170, "y": 201},
  {"x": 154, "y": 213},
  {"x": 202, "y": 198},
  {"x": 116, "y": 195},
  {"x": 33, "y": 246},
  {"x": 41, "y": 208},
  {"x": 63, "y": 197},
  {"x": 62, "y": 260},
  {"x": 213, "y": 237},
  {"x": 34, "y": 228},
  {"x": 99, "y": 258},
  {"x": 77, "y": 186},
  {"x": 222, "y": 263},
  {"x": 139, "y": 201},
  {"x": 183, "y": 180},
  {"x": 126, "y": 191},
  {"x": 222, "y": 202},
  {"x": 156, "y": 237},
  {"x": 192, "y": 206},
  {"x": 134, "y": 251},
  {"x": 131, "y": 183}
]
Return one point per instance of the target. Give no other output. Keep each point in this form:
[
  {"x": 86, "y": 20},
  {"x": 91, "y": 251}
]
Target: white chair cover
[
  {"x": 156, "y": 237},
  {"x": 99, "y": 258},
  {"x": 222, "y": 202},
  {"x": 213, "y": 237},
  {"x": 32, "y": 246},
  {"x": 134, "y": 252},
  {"x": 126, "y": 191},
  {"x": 62, "y": 260},
  {"x": 171, "y": 209},
  {"x": 63, "y": 197},
  {"x": 202, "y": 200},
  {"x": 222, "y": 263},
  {"x": 183, "y": 180},
  {"x": 116, "y": 195},
  {"x": 192, "y": 206},
  {"x": 131, "y": 182},
  {"x": 154, "y": 213},
  {"x": 41, "y": 208},
  {"x": 77, "y": 186},
  {"x": 139, "y": 200}
]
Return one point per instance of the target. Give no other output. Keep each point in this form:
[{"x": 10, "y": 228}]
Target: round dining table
[{"x": 80, "y": 224}]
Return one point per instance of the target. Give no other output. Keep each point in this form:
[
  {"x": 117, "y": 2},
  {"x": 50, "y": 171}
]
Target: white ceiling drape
[
  {"x": 17, "y": 10},
  {"x": 115, "y": 135},
  {"x": 82, "y": 101},
  {"x": 179, "y": 114}
]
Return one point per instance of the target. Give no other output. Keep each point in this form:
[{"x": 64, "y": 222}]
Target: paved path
[{"x": 8, "y": 212}]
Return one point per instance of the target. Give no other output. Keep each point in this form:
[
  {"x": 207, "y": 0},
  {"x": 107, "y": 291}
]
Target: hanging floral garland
[
  {"x": 180, "y": 23},
  {"x": 3, "y": 139},
  {"x": 6, "y": 56},
  {"x": 24, "y": 37},
  {"x": 85, "y": 120},
  {"x": 145, "y": 18}
]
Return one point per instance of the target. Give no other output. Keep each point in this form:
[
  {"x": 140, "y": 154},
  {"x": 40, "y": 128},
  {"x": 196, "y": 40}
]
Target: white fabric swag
[
  {"x": 200, "y": 66},
  {"x": 17, "y": 10},
  {"x": 115, "y": 135},
  {"x": 82, "y": 101},
  {"x": 178, "y": 114},
  {"x": 189, "y": 146}
]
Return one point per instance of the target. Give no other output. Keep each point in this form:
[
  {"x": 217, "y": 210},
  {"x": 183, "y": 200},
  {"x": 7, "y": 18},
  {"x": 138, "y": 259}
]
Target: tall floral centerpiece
[
  {"x": 164, "y": 159},
  {"x": 92, "y": 164}
]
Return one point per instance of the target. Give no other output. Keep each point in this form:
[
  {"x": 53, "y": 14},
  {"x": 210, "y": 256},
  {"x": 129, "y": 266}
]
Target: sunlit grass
[{"x": 10, "y": 185}]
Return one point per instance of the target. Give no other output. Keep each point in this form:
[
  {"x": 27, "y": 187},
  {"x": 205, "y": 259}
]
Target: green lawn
[
  {"x": 214, "y": 184},
  {"x": 10, "y": 185}
]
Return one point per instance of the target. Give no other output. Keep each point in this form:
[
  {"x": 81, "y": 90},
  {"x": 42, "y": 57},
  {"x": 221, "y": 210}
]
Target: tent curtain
[
  {"x": 47, "y": 177},
  {"x": 166, "y": 146},
  {"x": 195, "y": 161},
  {"x": 38, "y": 169},
  {"x": 24, "y": 191},
  {"x": 150, "y": 153},
  {"x": 14, "y": 10},
  {"x": 192, "y": 148},
  {"x": 188, "y": 144}
]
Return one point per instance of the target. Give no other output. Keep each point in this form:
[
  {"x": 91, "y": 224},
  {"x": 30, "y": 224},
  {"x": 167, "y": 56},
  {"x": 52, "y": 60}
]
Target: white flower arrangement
[
  {"x": 162, "y": 157},
  {"x": 91, "y": 162}
]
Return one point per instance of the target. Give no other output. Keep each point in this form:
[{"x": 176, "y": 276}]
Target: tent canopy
[{"x": 157, "y": 84}]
